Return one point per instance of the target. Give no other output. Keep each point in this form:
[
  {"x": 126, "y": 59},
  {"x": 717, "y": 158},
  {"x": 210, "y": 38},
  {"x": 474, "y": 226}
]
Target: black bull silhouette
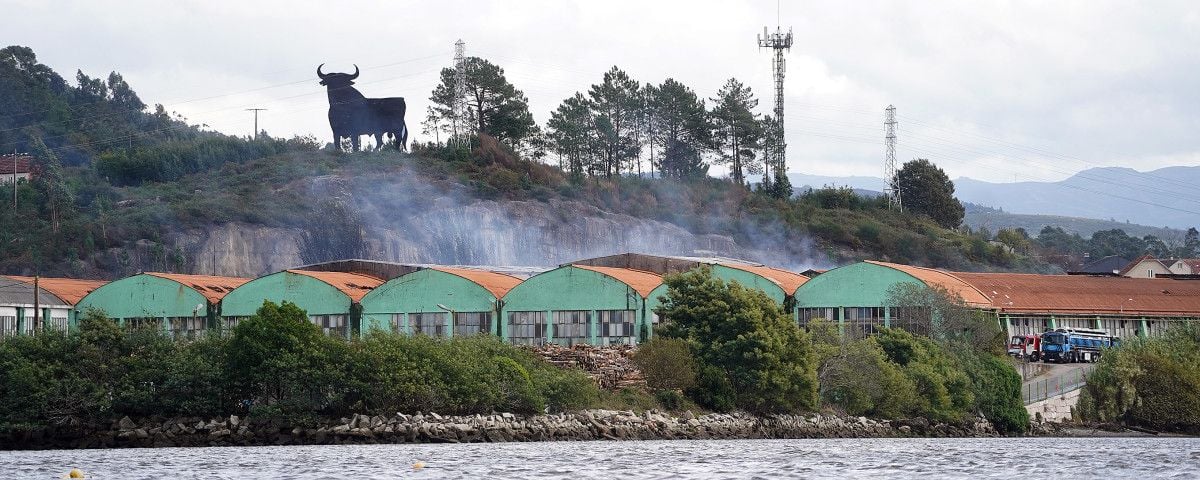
[{"x": 351, "y": 114}]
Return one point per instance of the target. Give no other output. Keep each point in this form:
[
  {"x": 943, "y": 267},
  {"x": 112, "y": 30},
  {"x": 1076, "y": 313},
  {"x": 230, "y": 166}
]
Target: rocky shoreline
[{"x": 434, "y": 428}]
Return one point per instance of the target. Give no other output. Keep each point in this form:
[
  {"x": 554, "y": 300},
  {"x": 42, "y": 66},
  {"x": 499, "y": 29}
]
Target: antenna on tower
[
  {"x": 460, "y": 89},
  {"x": 779, "y": 42},
  {"x": 889, "y": 161}
]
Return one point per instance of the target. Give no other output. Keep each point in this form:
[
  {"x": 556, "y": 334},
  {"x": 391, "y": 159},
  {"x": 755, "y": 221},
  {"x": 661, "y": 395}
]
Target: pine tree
[
  {"x": 737, "y": 131},
  {"x": 681, "y": 127},
  {"x": 494, "y": 106},
  {"x": 616, "y": 105},
  {"x": 927, "y": 190}
]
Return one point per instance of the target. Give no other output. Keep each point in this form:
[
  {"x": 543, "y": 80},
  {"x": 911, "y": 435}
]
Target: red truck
[{"x": 1026, "y": 346}]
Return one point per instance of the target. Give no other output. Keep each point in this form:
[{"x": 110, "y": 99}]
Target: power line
[{"x": 256, "y": 110}]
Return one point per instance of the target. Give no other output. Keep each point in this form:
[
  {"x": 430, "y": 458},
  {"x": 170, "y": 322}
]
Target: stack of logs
[{"x": 610, "y": 367}]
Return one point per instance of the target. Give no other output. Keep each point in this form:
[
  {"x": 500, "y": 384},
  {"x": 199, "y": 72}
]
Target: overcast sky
[{"x": 999, "y": 91}]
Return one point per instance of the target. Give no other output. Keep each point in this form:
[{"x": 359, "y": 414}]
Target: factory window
[
  {"x": 432, "y": 324},
  {"x": 142, "y": 323},
  {"x": 862, "y": 321},
  {"x": 229, "y": 323},
  {"x": 616, "y": 327},
  {"x": 468, "y": 324},
  {"x": 334, "y": 325},
  {"x": 8, "y": 326},
  {"x": 809, "y": 314},
  {"x": 186, "y": 327},
  {"x": 571, "y": 327},
  {"x": 58, "y": 323},
  {"x": 915, "y": 320},
  {"x": 527, "y": 328}
]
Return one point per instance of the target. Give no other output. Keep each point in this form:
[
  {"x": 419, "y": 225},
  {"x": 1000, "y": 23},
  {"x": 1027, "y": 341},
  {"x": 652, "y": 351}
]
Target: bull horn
[
  {"x": 319, "y": 74},
  {"x": 352, "y": 77}
]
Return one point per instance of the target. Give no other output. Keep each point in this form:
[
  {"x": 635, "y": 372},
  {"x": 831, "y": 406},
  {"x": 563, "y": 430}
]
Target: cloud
[{"x": 1100, "y": 82}]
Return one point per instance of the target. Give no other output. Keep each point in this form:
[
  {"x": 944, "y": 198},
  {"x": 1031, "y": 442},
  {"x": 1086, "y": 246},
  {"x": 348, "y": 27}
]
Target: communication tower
[
  {"x": 780, "y": 42},
  {"x": 460, "y": 88}
]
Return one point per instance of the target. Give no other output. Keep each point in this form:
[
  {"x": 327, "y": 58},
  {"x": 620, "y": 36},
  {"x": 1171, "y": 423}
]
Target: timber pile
[{"x": 610, "y": 367}]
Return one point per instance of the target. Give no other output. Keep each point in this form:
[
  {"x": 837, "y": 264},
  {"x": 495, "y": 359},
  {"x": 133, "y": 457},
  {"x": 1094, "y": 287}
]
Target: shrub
[
  {"x": 746, "y": 345},
  {"x": 1153, "y": 383},
  {"x": 997, "y": 390},
  {"x": 666, "y": 363}
]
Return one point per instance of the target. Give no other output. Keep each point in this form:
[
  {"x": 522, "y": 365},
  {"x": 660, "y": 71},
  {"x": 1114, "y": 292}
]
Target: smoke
[{"x": 408, "y": 217}]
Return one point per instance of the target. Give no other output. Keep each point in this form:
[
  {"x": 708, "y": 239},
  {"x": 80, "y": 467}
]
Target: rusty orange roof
[
  {"x": 354, "y": 285},
  {"x": 213, "y": 288},
  {"x": 950, "y": 281},
  {"x": 1080, "y": 294},
  {"x": 497, "y": 283},
  {"x": 641, "y": 282},
  {"x": 788, "y": 281},
  {"x": 69, "y": 290}
]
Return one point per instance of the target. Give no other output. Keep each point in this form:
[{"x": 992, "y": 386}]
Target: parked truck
[
  {"x": 1075, "y": 344},
  {"x": 1026, "y": 347}
]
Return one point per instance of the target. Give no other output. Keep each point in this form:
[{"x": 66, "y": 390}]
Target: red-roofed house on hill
[{"x": 17, "y": 168}]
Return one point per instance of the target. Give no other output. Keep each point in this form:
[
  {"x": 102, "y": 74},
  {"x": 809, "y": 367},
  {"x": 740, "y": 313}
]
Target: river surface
[{"x": 1035, "y": 458}]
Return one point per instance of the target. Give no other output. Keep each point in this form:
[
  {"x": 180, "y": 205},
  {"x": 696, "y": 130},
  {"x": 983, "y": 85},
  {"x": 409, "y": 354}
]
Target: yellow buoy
[
  {"x": 75, "y": 473},
  {"x": 419, "y": 465}
]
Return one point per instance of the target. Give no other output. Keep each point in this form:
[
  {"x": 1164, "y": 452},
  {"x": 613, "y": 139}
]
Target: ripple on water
[{"x": 766, "y": 459}]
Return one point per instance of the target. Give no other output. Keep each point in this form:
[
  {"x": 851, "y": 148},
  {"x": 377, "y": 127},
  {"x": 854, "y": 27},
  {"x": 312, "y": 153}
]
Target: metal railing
[{"x": 1050, "y": 387}]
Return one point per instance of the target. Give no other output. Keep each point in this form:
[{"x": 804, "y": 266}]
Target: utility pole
[
  {"x": 37, "y": 306},
  {"x": 460, "y": 88},
  {"x": 889, "y": 160},
  {"x": 14, "y": 187},
  {"x": 256, "y": 110},
  {"x": 779, "y": 42}
]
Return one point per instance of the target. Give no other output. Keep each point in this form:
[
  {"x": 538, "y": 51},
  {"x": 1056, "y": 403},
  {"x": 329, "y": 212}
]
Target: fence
[{"x": 1039, "y": 390}]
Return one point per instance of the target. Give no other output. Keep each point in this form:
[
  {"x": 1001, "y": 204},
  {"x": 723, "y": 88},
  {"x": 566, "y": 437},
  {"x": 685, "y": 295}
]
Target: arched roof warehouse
[
  {"x": 69, "y": 290},
  {"x": 160, "y": 295},
  {"x": 431, "y": 288},
  {"x": 594, "y": 291},
  {"x": 318, "y": 293}
]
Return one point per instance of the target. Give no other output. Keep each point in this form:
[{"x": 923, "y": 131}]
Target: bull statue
[{"x": 351, "y": 114}]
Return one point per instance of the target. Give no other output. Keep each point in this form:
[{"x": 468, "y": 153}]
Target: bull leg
[
  {"x": 402, "y": 139},
  {"x": 355, "y": 141},
  {"x": 378, "y": 141}
]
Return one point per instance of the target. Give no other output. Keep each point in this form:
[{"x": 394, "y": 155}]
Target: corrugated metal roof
[
  {"x": 497, "y": 283},
  {"x": 70, "y": 290},
  {"x": 971, "y": 295},
  {"x": 641, "y": 282},
  {"x": 213, "y": 288},
  {"x": 1019, "y": 292},
  {"x": 17, "y": 292},
  {"x": 788, "y": 281},
  {"x": 353, "y": 285}
]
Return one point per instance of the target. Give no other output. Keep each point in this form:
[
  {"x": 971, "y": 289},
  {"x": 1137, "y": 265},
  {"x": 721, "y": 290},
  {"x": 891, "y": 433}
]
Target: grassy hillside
[{"x": 119, "y": 184}]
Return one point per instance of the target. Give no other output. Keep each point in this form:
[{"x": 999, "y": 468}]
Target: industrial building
[
  {"x": 856, "y": 297},
  {"x": 330, "y": 298},
  {"x": 184, "y": 306},
  {"x": 54, "y": 302},
  {"x": 576, "y": 304},
  {"x": 777, "y": 283},
  {"x": 438, "y": 301}
]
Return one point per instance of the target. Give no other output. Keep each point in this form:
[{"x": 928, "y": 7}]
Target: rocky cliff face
[{"x": 404, "y": 219}]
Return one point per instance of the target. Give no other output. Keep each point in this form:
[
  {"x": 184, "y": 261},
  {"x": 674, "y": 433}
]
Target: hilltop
[{"x": 122, "y": 188}]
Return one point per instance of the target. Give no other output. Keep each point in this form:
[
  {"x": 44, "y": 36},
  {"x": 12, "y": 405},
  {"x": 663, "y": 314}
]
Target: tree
[
  {"x": 277, "y": 356},
  {"x": 679, "y": 124},
  {"x": 494, "y": 106},
  {"x": 749, "y": 352},
  {"x": 57, "y": 197},
  {"x": 1016, "y": 239},
  {"x": 572, "y": 135},
  {"x": 927, "y": 190},
  {"x": 1191, "y": 244},
  {"x": 736, "y": 129},
  {"x": 616, "y": 105},
  {"x": 775, "y": 180}
]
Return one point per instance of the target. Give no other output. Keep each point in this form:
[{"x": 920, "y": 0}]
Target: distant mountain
[
  {"x": 1113, "y": 193},
  {"x": 993, "y": 220},
  {"x": 1119, "y": 195}
]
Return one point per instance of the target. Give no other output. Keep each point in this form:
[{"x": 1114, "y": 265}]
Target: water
[{"x": 717, "y": 459}]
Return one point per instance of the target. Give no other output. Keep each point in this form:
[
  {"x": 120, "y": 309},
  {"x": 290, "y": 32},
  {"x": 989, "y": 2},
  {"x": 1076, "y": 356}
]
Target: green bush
[
  {"x": 997, "y": 389},
  {"x": 666, "y": 364},
  {"x": 745, "y": 344},
  {"x": 274, "y": 365},
  {"x": 1153, "y": 383}
]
